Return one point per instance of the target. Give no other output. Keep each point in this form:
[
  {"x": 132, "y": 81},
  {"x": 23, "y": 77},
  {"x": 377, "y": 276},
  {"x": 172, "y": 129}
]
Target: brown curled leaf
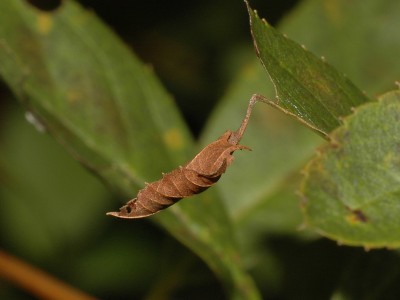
[
  {"x": 199, "y": 174},
  {"x": 196, "y": 176}
]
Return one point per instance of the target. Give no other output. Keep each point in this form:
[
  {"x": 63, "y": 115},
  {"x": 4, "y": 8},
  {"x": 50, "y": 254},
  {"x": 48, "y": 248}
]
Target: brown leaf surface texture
[
  {"x": 199, "y": 174},
  {"x": 196, "y": 176}
]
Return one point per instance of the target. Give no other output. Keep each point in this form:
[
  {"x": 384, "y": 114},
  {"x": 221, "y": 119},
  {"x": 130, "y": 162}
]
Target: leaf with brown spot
[{"x": 351, "y": 190}]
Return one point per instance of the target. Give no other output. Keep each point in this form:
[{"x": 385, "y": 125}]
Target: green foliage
[
  {"x": 306, "y": 86},
  {"x": 351, "y": 190},
  {"x": 82, "y": 85},
  {"x": 111, "y": 113}
]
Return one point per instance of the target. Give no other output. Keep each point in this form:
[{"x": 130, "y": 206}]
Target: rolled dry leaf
[
  {"x": 199, "y": 174},
  {"x": 196, "y": 176}
]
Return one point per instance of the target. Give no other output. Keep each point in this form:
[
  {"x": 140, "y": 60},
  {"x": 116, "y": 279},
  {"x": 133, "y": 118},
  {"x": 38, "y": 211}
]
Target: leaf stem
[{"x": 238, "y": 134}]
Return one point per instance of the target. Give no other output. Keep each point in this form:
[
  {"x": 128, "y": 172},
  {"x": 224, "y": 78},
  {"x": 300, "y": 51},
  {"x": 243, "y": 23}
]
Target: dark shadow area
[
  {"x": 45, "y": 5},
  {"x": 319, "y": 269}
]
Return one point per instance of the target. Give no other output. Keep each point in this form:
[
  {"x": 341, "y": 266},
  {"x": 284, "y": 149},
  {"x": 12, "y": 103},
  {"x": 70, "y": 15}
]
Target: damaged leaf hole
[
  {"x": 203, "y": 171},
  {"x": 45, "y": 5}
]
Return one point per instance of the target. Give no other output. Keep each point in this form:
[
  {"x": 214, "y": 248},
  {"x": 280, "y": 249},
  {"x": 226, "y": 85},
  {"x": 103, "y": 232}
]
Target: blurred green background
[
  {"x": 52, "y": 211},
  {"x": 196, "y": 48}
]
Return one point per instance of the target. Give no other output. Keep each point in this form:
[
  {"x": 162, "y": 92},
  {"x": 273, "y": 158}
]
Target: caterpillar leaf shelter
[{"x": 204, "y": 170}]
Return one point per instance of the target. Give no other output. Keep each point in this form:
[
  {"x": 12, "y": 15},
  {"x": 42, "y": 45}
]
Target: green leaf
[
  {"x": 306, "y": 86},
  {"x": 45, "y": 195},
  {"x": 351, "y": 190},
  {"x": 359, "y": 38},
  {"x": 109, "y": 110}
]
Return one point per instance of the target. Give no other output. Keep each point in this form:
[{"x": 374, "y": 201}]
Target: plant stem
[{"x": 37, "y": 282}]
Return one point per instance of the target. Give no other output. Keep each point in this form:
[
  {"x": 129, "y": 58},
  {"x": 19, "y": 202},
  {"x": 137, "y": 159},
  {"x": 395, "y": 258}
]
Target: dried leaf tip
[{"x": 203, "y": 171}]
